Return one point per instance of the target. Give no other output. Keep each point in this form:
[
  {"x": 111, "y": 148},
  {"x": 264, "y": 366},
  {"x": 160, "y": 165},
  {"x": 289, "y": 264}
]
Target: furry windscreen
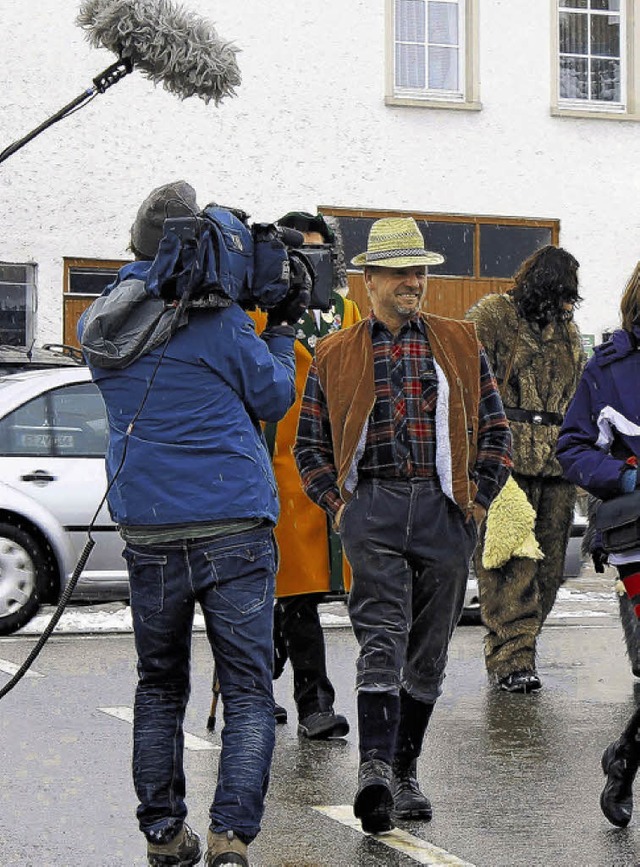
[{"x": 167, "y": 43}]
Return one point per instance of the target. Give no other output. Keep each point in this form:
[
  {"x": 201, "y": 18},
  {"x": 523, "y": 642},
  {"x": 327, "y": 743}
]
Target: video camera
[{"x": 216, "y": 257}]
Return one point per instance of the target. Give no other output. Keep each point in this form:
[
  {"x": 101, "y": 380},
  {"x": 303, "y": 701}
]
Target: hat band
[{"x": 402, "y": 253}]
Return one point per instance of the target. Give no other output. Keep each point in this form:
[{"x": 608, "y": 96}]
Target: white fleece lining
[
  {"x": 611, "y": 420},
  {"x": 443, "y": 446},
  {"x": 352, "y": 476}
]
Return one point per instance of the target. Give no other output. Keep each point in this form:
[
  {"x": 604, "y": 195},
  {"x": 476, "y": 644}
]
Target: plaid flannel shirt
[{"x": 314, "y": 453}]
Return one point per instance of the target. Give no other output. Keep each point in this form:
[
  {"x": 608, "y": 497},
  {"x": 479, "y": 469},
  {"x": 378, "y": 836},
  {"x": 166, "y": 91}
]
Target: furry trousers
[{"x": 516, "y": 599}]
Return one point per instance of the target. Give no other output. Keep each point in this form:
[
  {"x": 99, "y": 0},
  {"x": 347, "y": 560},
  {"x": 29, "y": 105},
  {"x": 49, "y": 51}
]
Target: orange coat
[{"x": 302, "y": 531}]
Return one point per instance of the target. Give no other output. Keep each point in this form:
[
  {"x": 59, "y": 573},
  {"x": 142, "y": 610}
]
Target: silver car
[{"x": 53, "y": 435}]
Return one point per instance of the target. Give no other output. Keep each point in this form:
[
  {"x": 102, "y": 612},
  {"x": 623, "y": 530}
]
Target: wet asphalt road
[{"x": 514, "y": 780}]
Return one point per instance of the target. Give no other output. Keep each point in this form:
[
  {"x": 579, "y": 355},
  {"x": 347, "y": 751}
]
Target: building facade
[{"x": 500, "y": 124}]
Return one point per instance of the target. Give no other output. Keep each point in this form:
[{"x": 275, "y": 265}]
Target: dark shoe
[
  {"x": 225, "y": 850},
  {"x": 521, "y": 681},
  {"x": 619, "y": 766},
  {"x": 183, "y": 851},
  {"x": 323, "y": 725},
  {"x": 374, "y": 802},
  {"x": 280, "y": 713},
  {"x": 408, "y": 800}
]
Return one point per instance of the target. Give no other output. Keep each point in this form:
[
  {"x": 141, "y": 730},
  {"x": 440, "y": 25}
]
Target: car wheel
[{"x": 23, "y": 577}]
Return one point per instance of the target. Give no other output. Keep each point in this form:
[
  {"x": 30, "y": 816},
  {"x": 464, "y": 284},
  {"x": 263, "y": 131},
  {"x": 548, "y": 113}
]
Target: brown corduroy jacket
[{"x": 345, "y": 369}]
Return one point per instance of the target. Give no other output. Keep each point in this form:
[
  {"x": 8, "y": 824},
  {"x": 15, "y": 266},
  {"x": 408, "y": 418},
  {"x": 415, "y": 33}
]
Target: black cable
[{"x": 89, "y": 545}]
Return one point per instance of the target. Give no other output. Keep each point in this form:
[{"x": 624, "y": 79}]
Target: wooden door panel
[{"x": 74, "y": 307}]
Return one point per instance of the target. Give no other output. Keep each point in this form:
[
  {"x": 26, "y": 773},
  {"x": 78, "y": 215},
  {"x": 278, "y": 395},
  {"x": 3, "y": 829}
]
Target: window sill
[
  {"x": 413, "y": 102},
  {"x": 556, "y": 111}
]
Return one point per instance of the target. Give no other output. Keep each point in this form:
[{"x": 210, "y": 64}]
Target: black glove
[
  {"x": 291, "y": 308},
  {"x": 600, "y": 559}
]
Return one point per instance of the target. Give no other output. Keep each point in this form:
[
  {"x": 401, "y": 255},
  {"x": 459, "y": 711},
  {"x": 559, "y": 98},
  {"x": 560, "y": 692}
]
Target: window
[
  {"x": 17, "y": 304},
  {"x": 595, "y": 58},
  {"x": 431, "y": 54},
  {"x": 66, "y": 422},
  {"x": 83, "y": 280},
  {"x": 89, "y": 276}
]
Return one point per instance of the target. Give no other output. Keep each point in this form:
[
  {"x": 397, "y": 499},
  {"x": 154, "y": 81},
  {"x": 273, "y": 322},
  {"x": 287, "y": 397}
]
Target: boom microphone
[{"x": 166, "y": 43}]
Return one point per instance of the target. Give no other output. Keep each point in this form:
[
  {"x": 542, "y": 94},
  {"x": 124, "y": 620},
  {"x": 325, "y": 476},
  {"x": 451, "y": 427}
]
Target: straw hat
[{"x": 396, "y": 242}]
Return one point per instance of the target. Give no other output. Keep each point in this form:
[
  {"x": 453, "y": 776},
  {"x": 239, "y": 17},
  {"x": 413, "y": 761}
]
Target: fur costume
[{"x": 542, "y": 367}]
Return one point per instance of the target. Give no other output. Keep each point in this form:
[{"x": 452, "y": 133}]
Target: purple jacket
[{"x": 602, "y": 425}]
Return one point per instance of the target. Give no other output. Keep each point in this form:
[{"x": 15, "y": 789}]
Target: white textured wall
[{"x": 308, "y": 126}]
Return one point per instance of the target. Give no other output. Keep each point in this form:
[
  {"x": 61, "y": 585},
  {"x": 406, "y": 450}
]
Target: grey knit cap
[{"x": 177, "y": 199}]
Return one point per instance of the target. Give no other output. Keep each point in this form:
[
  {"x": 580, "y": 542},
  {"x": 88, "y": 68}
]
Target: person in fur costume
[
  {"x": 535, "y": 351},
  {"x": 311, "y": 558},
  {"x": 599, "y": 448}
]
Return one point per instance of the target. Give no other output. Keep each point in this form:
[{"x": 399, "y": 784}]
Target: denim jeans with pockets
[{"x": 233, "y": 580}]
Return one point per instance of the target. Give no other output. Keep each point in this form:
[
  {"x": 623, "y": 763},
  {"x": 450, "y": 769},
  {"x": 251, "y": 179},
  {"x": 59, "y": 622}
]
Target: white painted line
[
  {"x": 10, "y": 668},
  {"x": 191, "y": 742},
  {"x": 415, "y": 848}
]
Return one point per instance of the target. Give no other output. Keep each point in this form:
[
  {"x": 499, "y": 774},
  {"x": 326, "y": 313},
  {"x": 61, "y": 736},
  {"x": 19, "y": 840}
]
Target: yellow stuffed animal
[{"x": 509, "y": 532}]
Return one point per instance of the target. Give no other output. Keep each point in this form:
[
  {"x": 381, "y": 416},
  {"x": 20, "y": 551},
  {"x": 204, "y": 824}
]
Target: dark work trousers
[
  {"x": 409, "y": 548},
  {"x": 303, "y": 637}
]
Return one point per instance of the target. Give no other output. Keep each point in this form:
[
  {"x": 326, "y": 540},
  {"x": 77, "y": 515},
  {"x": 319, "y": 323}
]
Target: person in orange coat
[{"x": 311, "y": 559}]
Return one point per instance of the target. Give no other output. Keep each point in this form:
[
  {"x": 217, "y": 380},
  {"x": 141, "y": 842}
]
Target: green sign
[{"x": 588, "y": 342}]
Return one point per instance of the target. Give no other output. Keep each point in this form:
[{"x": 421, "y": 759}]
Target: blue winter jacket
[
  {"x": 602, "y": 424},
  {"x": 196, "y": 453}
]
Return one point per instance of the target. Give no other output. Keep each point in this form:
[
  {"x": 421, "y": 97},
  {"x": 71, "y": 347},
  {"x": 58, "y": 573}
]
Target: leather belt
[{"x": 531, "y": 416}]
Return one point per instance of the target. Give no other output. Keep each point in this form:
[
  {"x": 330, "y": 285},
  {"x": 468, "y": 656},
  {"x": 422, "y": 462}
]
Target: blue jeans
[{"x": 233, "y": 580}]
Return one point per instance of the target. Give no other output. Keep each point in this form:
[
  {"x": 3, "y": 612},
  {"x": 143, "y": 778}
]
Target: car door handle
[{"x": 40, "y": 476}]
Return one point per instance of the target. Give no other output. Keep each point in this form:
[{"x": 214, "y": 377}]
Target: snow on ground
[{"x": 590, "y": 595}]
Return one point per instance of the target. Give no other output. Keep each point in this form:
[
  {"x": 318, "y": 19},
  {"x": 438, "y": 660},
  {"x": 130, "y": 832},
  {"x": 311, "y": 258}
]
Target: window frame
[
  {"x": 30, "y": 298},
  {"x": 74, "y": 303},
  {"x": 628, "y": 109},
  {"x": 468, "y": 65}
]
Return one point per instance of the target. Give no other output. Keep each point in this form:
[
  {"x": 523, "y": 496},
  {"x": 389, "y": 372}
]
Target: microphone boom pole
[{"x": 101, "y": 82}]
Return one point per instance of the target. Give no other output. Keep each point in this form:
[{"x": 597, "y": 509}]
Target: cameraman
[{"x": 193, "y": 493}]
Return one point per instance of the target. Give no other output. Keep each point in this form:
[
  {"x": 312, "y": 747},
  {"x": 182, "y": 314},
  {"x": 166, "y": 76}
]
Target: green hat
[{"x": 396, "y": 242}]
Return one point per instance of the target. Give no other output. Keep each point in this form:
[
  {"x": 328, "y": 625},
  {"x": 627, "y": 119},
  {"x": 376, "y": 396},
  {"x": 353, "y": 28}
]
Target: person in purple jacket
[{"x": 598, "y": 450}]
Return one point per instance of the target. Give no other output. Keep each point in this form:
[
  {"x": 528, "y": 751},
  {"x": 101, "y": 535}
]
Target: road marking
[
  {"x": 191, "y": 742},
  {"x": 10, "y": 668},
  {"x": 415, "y": 848}
]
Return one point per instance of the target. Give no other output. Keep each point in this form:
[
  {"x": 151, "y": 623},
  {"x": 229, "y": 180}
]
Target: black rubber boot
[
  {"x": 373, "y": 802},
  {"x": 378, "y": 714},
  {"x": 620, "y": 764},
  {"x": 408, "y": 801}
]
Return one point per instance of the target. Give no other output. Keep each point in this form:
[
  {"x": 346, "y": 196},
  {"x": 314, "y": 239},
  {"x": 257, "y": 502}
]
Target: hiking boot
[
  {"x": 408, "y": 800},
  {"x": 183, "y": 851},
  {"x": 280, "y": 714},
  {"x": 521, "y": 681},
  {"x": 323, "y": 725},
  {"x": 224, "y": 849},
  {"x": 373, "y": 802},
  {"x": 619, "y": 767}
]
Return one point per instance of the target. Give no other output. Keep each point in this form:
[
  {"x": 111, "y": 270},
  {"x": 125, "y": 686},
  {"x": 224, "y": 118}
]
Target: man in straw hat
[{"x": 403, "y": 441}]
